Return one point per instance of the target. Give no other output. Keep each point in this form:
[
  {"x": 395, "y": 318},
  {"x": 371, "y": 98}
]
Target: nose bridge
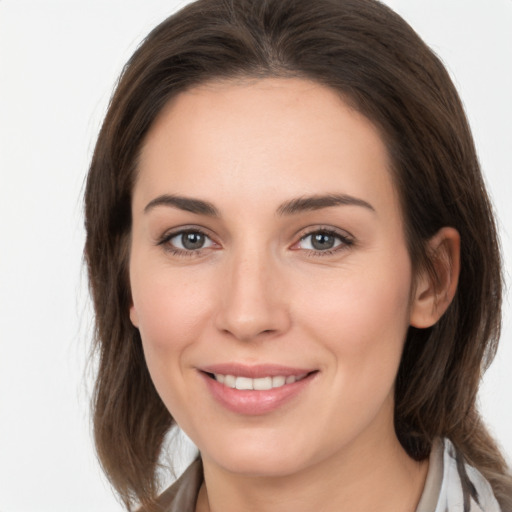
[{"x": 251, "y": 303}]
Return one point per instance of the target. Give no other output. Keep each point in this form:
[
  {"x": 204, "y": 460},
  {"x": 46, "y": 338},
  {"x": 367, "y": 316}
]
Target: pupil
[
  {"x": 322, "y": 241},
  {"x": 192, "y": 240}
]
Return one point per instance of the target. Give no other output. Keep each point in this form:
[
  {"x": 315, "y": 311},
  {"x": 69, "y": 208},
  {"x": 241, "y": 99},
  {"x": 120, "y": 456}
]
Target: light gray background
[{"x": 58, "y": 63}]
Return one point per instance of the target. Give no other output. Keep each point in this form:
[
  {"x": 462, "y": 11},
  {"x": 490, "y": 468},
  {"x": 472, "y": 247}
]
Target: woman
[{"x": 292, "y": 256}]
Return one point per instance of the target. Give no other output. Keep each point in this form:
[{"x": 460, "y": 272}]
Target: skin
[{"x": 259, "y": 292}]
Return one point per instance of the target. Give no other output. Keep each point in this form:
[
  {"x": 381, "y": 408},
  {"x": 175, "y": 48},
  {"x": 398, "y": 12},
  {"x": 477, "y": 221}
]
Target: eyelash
[
  {"x": 176, "y": 251},
  {"x": 346, "y": 241}
]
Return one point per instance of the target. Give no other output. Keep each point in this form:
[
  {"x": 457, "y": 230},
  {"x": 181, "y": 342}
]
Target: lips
[{"x": 254, "y": 390}]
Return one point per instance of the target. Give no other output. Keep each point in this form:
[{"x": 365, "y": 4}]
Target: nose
[{"x": 252, "y": 298}]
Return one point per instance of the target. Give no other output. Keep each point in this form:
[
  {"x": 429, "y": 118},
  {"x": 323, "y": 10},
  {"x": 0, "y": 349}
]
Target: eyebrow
[
  {"x": 292, "y": 207},
  {"x": 187, "y": 204},
  {"x": 317, "y": 202}
]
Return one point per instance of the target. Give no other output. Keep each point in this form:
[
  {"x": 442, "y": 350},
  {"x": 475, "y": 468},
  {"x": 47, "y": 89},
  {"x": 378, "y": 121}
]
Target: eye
[
  {"x": 187, "y": 241},
  {"x": 323, "y": 241}
]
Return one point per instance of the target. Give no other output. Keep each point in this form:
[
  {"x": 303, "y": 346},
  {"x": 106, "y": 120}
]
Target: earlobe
[
  {"x": 134, "y": 317},
  {"x": 434, "y": 293}
]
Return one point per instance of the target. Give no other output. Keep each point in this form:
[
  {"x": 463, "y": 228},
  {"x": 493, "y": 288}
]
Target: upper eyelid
[
  {"x": 311, "y": 230},
  {"x": 171, "y": 233}
]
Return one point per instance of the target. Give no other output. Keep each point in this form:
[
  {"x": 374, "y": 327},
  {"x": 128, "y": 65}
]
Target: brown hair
[{"x": 377, "y": 63}]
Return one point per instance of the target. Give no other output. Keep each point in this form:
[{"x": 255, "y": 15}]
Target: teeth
[
  {"x": 277, "y": 382},
  {"x": 243, "y": 383},
  {"x": 229, "y": 381},
  {"x": 261, "y": 384}
]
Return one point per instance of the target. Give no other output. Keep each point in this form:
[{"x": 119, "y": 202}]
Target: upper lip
[{"x": 254, "y": 371}]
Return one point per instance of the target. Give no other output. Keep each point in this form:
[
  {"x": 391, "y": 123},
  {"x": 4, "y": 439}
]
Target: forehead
[{"x": 265, "y": 139}]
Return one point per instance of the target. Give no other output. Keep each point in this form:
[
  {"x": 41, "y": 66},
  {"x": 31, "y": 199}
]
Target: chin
[
  {"x": 259, "y": 457},
  {"x": 262, "y": 467}
]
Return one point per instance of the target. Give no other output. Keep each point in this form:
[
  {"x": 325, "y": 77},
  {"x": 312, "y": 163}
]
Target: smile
[
  {"x": 255, "y": 390},
  {"x": 259, "y": 384}
]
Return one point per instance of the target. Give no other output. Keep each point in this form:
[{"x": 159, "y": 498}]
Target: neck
[{"x": 362, "y": 477}]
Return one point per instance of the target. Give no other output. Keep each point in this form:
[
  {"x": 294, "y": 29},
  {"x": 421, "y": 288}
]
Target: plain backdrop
[{"x": 58, "y": 63}]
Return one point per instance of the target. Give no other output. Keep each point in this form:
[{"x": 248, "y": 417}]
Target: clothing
[{"x": 451, "y": 486}]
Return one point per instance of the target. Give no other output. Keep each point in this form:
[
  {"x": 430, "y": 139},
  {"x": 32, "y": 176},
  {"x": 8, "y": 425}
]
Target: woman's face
[{"x": 268, "y": 252}]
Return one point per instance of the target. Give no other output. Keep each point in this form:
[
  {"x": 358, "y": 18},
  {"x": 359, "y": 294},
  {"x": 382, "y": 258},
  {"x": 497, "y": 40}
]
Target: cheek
[
  {"x": 171, "y": 311},
  {"x": 362, "y": 320},
  {"x": 362, "y": 313}
]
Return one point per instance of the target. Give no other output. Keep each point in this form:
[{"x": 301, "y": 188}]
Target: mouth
[
  {"x": 257, "y": 384},
  {"x": 256, "y": 390}
]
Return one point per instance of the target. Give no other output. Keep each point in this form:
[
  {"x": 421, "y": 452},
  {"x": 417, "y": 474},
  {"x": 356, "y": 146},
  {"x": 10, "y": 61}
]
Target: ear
[
  {"x": 434, "y": 293},
  {"x": 134, "y": 317}
]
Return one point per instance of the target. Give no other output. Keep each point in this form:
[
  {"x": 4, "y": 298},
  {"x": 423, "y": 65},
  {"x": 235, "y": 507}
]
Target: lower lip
[{"x": 251, "y": 402}]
